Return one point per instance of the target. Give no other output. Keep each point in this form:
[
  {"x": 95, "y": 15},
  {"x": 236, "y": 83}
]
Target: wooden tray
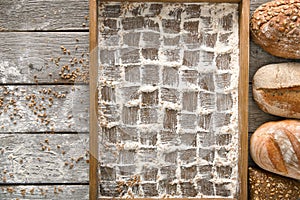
[{"x": 169, "y": 99}]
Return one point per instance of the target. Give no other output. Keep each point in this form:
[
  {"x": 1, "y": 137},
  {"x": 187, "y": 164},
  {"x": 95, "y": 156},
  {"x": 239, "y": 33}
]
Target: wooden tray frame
[{"x": 244, "y": 13}]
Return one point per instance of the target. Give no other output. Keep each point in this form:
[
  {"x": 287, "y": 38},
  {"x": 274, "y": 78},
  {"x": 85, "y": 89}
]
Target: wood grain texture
[
  {"x": 259, "y": 58},
  {"x": 28, "y": 57},
  {"x": 93, "y": 173},
  {"x": 243, "y": 98},
  {"x": 37, "y": 158},
  {"x": 43, "y": 15},
  {"x": 49, "y": 108},
  {"x": 74, "y": 192}
]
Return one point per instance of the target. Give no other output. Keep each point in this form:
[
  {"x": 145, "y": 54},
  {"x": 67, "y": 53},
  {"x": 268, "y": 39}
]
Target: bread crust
[
  {"x": 266, "y": 185},
  {"x": 276, "y": 89},
  {"x": 275, "y": 147},
  {"x": 275, "y": 27}
]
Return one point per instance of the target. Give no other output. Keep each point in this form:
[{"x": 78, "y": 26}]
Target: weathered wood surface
[
  {"x": 259, "y": 58},
  {"x": 27, "y": 153},
  {"x": 30, "y": 57},
  {"x": 43, "y": 15},
  {"x": 72, "y": 192},
  {"x": 36, "y": 49},
  {"x": 44, "y": 158},
  {"x": 48, "y": 108}
]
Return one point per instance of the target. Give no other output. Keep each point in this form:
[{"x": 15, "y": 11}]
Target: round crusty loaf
[
  {"x": 275, "y": 147},
  {"x": 266, "y": 185},
  {"x": 276, "y": 89},
  {"x": 275, "y": 27}
]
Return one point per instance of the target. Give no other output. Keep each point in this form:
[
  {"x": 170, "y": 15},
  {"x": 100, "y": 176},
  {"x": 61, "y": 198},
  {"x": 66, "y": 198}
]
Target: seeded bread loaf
[
  {"x": 276, "y": 89},
  {"x": 265, "y": 185},
  {"x": 275, "y": 147},
  {"x": 275, "y": 27}
]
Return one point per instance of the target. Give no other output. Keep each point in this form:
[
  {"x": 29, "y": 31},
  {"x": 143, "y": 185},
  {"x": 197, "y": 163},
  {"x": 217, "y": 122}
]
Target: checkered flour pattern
[{"x": 168, "y": 109}]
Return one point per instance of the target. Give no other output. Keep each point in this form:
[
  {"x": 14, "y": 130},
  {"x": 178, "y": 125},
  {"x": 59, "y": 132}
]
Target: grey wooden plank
[
  {"x": 48, "y": 108},
  {"x": 257, "y": 117},
  {"x": 44, "y": 158},
  {"x": 43, "y": 15},
  {"x": 254, "y": 4},
  {"x": 259, "y": 58},
  {"x": 32, "y": 57},
  {"x": 58, "y": 192}
]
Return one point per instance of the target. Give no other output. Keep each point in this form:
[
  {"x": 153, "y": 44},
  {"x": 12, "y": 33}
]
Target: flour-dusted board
[{"x": 169, "y": 115}]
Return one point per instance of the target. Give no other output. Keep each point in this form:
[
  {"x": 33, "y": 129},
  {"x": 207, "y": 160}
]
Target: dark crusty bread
[
  {"x": 276, "y": 89},
  {"x": 275, "y": 27},
  {"x": 275, "y": 147},
  {"x": 264, "y": 185}
]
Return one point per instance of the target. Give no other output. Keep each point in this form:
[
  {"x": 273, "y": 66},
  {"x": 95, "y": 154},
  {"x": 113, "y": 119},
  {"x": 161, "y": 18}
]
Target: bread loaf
[
  {"x": 264, "y": 185},
  {"x": 275, "y": 147},
  {"x": 276, "y": 89},
  {"x": 275, "y": 27}
]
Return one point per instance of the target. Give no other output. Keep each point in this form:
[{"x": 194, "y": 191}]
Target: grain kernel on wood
[
  {"x": 55, "y": 190},
  {"x": 71, "y": 165},
  {"x": 31, "y": 191},
  {"x": 10, "y": 190},
  {"x": 23, "y": 192}
]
